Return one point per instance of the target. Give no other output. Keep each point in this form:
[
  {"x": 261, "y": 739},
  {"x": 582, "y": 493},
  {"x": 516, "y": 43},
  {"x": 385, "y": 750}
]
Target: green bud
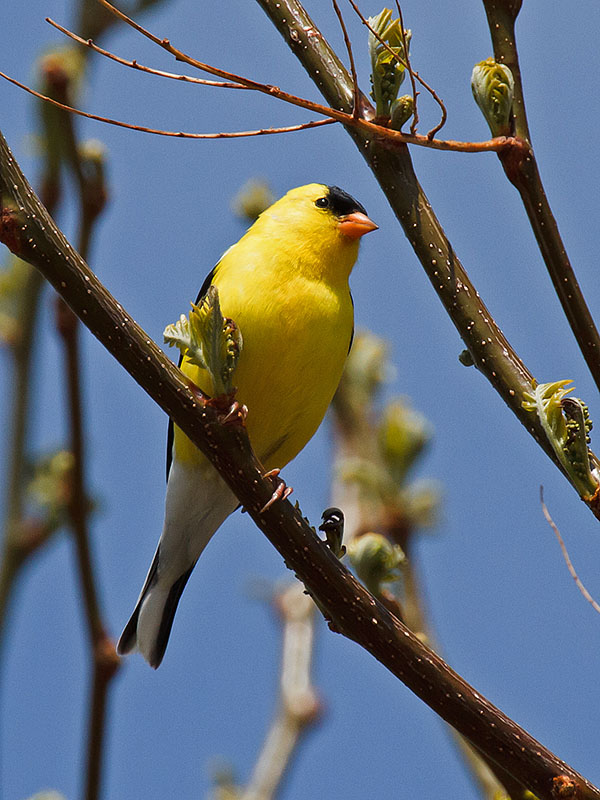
[
  {"x": 465, "y": 358},
  {"x": 387, "y": 69},
  {"x": 252, "y": 199},
  {"x": 493, "y": 89},
  {"x": 567, "y": 424},
  {"x": 60, "y": 74},
  {"x": 376, "y": 560},
  {"x": 420, "y": 502},
  {"x": 365, "y": 371},
  {"x": 403, "y": 433},
  {"x": 92, "y": 160},
  {"x": 208, "y": 340},
  {"x": 402, "y": 110},
  {"x": 49, "y": 794},
  {"x": 13, "y": 285},
  {"x": 50, "y": 486}
]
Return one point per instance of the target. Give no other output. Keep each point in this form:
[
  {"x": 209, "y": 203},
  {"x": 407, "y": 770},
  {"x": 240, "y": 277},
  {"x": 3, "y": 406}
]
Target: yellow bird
[{"x": 285, "y": 284}]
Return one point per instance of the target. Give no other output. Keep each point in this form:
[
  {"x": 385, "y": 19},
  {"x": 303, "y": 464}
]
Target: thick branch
[
  {"x": 30, "y": 232},
  {"x": 522, "y": 171}
]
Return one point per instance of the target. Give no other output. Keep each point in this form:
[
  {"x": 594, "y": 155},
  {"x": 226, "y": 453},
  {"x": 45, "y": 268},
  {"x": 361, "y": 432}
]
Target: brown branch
[
  {"x": 177, "y": 134},
  {"x": 489, "y": 348},
  {"x": 491, "y": 145},
  {"x": 26, "y": 228},
  {"x": 522, "y": 171},
  {"x": 367, "y": 508},
  {"x": 140, "y": 67},
  {"x": 105, "y": 662},
  {"x": 104, "y": 658},
  {"x": 16, "y": 547}
]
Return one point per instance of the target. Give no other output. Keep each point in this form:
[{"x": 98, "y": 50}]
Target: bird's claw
[
  {"x": 282, "y": 491},
  {"x": 229, "y": 410},
  {"x": 237, "y": 413}
]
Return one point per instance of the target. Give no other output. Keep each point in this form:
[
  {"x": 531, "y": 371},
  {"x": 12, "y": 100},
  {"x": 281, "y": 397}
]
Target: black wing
[
  {"x": 352, "y": 334},
  {"x": 170, "y": 431}
]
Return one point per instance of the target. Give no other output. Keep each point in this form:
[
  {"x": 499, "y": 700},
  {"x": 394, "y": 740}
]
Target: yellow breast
[{"x": 296, "y": 328}]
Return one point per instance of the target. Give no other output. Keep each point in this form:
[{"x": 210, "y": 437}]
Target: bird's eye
[{"x": 322, "y": 202}]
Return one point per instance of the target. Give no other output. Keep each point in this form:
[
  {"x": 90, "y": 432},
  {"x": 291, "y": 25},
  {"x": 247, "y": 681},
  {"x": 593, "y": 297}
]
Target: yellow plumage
[
  {"x": 285, "y": 284},
  {"x": 290, "y": 298}
]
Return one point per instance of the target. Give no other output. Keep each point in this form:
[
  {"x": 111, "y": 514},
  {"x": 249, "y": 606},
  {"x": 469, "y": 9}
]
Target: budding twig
[{"x": 412, "y": 73}]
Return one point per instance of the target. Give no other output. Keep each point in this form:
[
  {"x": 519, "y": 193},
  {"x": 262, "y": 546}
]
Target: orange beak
[{"x": 356, "y": 225}]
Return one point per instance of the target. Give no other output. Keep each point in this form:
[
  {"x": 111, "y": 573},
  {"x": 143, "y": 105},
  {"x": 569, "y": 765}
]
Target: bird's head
[{"x": 321, "y": 218}]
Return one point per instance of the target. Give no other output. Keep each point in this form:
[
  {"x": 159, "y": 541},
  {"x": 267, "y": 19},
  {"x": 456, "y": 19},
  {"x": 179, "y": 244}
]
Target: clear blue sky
[{"x": 508, "y": 615}]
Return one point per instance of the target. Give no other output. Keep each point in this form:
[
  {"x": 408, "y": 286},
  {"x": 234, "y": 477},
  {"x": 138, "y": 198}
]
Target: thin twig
[
  {"x": 491, "y": 145},
  {"x": 356, "y": 437},
  {"x": 565, "y": 553},
  {"x": 135, "y": 65},
  {"x": 415, "y": 93},
  {"x": 177, "y": 134},
  {"x": 14, "y": 551},
  {"x": 347, "y": 42},
  {"x": 105, "y": 662}
]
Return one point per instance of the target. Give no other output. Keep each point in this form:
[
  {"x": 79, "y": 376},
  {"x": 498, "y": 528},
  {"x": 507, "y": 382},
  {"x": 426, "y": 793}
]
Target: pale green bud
[
  {"x": 566, "y": 423},
  {"x": 209, "y": 340},
  {"x": 421, "y": 502},
  {"x": 376, "y": 560},
  {"x": 252, "y": 199},
  {"x": 402, "y": 110},
  {"x": 493, "y": 89},
  {"x": 403, "y": 433},
  {"x": 387, "y": 71}
]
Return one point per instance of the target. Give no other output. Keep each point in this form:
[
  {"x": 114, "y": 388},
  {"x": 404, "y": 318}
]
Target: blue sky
[{"x": 508, "y": 615}]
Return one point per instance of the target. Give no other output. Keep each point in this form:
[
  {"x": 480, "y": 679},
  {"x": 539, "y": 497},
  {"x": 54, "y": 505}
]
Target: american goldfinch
[{"x": 285, "y": 284}]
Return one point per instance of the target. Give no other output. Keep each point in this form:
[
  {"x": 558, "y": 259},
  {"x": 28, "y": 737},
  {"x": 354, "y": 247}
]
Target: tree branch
[
  {"x": 298, "y": 704},
  {"x": 28, "y": 230},
  {"x": 522, "y": 171}
]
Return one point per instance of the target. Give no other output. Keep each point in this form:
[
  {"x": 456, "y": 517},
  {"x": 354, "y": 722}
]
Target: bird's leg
[
  {"x": 229, "y": 410},
  {"x": 237, "y": 413},
  {"x": 281, "y": 490}
]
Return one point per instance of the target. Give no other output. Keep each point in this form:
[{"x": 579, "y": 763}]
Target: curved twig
[
  {"x": 176, "y": 134},
  {"x": 568, "y": 562},
  {"x": 140, "y": 67}
]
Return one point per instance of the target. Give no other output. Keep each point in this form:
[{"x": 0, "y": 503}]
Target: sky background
[{"x": 503, "y": 606}]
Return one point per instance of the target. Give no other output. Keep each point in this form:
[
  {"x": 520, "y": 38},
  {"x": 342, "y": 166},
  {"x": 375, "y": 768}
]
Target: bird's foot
[
  {"x": 236, "y": 414},
  {"x": 229, "y": 410},
  {"x": 282, "y": 491}
]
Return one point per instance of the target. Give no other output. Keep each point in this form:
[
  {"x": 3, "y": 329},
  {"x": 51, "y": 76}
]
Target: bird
[{"x": 285, "y": 285}]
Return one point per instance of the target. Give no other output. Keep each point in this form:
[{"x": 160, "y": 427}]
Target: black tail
[
  {"x": 166, "y": 623},
  {"x": 128, "y": 641}
]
